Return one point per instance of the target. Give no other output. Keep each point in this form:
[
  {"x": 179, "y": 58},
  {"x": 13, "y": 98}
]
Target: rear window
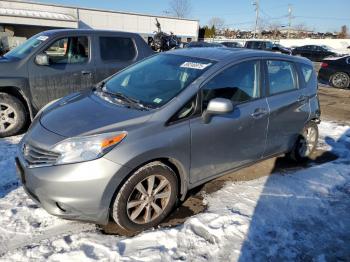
[
  {"x": 282, "y": 76},
  {"x": 307, "y": 72},
  {"x": 117, "y": 48}
]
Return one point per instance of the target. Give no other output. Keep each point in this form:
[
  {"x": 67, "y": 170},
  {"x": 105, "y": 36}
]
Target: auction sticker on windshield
[
  {"x": 194, "y": 65},
  {"x": 42, "y": 38}
]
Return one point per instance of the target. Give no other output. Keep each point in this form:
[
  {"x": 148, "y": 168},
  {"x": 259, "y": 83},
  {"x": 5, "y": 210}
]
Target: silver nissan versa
[{"x": 128, "y": 149}]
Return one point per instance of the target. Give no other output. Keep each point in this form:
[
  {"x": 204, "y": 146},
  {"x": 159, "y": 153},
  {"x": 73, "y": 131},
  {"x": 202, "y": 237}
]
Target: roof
[
  {"x": 87, "y": 31},
  {"x": 223, "y": 54},
  {"x": 36, "y": 14},
  {"x": 103, "y": 10}
]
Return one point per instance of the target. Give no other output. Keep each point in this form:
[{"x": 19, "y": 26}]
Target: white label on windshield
[
  {"x": 42, "y": 38},
  {"x": 157, "y": 100},
  {"x": 194, "y": 65}
]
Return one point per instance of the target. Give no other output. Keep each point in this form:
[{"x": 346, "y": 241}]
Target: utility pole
[
  {"x": 290, "y": 10},
  {"x": 257, "y": 7}
]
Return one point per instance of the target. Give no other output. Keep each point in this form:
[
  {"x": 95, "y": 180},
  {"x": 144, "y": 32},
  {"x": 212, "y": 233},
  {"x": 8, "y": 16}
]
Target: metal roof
[{"x": 36, "y": 14}]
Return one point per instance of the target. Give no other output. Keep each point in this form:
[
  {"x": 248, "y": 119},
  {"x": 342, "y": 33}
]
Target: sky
[{"x": 320, "y": 15}]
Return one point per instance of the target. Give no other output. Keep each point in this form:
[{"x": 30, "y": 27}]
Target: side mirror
[
  {"x": 275, "y": 48},
  {"x": 217, "y": 106},
  {"x": 42, "y": 59}
]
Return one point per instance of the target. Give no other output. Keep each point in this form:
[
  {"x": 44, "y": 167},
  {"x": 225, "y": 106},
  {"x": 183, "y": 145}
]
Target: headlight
[{"x": 80, "y": 149}]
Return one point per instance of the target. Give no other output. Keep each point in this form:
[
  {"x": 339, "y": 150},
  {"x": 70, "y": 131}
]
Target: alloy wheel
[
  {"x": 148, "y": 199},
  {"x": 340, "y": 80},
  {"x": 8, "y": 117}
]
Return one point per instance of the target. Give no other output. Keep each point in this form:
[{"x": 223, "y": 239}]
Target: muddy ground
[{"x": 335, "y": 106}]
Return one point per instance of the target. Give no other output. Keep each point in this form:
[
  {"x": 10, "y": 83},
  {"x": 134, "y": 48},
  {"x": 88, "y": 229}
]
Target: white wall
[{"x": 139, "y": 23}]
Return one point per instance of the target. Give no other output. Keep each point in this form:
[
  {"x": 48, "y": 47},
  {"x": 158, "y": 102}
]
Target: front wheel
[
  {"x": 306, "y": 143},
  {"x": 146, "y": 198},
  {"x": 340, "y": 80},
  {"x": 12, "y": 115}
]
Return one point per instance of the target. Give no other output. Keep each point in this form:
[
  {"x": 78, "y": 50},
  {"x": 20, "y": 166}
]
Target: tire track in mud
[{"x": 18, "y": 241}]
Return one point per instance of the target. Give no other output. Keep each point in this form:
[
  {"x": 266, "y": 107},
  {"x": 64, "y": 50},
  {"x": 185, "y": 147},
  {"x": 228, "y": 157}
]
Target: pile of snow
[{"x": 301, "y": 215}]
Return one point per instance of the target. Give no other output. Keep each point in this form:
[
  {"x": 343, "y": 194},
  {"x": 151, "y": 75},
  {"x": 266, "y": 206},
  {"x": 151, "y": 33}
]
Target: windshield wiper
[{"x": 130, "y": 100}]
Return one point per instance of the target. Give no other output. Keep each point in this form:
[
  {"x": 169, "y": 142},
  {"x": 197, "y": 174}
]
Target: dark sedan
[
  {"x": 336, "y": 72},
  {"x": 314, "y": 52}
]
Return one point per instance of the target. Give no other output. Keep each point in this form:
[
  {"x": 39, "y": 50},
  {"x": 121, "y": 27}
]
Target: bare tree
[
  {"x": 217, "y": 22},
  {"x": 180, "y": 8}
]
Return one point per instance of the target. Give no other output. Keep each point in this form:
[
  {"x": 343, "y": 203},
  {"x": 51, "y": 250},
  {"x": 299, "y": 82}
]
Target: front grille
[{"x": 35, "y": 156}]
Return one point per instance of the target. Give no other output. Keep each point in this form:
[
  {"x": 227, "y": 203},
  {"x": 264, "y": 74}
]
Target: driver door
[{"x": 236, "y": 138}]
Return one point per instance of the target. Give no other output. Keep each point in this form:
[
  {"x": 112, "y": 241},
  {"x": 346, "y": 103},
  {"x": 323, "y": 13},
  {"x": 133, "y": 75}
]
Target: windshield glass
[
  {"x": 155, "y": 81},
  {"x": 27, "y": 47}
]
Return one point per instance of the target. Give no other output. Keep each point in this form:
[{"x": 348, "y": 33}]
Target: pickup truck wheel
[
  {"x": 12, "y": 115},
  {"x": 146, "y": 198},
  {"x": 306, "y": 143}
]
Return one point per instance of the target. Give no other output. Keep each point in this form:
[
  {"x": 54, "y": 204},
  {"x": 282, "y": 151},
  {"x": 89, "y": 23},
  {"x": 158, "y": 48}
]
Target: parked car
[
  {"x": 203, "y": 44},
  {"x": 267, "y": 46},
  {"x": 335, "y": 72},
  {"x": 278, "y": 48},
  {"x": 259, "y": 45},
  {"x": 232, "y": 44},
  {"x": 129, "y": 149},
  {"x": 56, "y": 63},
  {"x": 314, "y": 52}
]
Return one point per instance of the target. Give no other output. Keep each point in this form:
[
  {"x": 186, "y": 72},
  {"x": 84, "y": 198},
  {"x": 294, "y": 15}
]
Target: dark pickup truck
[{"x": 55, "y": 63}]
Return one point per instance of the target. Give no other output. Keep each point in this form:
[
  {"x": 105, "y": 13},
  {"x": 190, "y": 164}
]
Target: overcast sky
[{"x": 321, "y": 15}]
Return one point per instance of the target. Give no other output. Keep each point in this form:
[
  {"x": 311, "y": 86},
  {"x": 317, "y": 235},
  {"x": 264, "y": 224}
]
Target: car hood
[{"x": 83, "y": 114}]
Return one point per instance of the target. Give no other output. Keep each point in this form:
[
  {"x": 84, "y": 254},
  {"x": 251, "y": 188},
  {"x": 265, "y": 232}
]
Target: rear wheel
[
  {"x": 146, "y": 198},
  {"x": 340, "y": 80},
  {"x": 12, "y": 115},
  {"x": 306, "y": 143}
]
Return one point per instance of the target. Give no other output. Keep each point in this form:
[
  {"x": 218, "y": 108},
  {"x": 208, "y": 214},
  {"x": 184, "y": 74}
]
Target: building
[{"x": 24, "y": 19}]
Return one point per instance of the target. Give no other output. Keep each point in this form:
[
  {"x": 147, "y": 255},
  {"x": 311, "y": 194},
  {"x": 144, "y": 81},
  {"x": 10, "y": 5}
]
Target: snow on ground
[{"x": 296, "y": 216}]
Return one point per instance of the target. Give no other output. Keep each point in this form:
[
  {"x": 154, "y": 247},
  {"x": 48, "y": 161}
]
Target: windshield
[
  {"x": 27, "y": 47},
  {"x": 328, "y": 48},
  {"x": 156, "y": 80}
]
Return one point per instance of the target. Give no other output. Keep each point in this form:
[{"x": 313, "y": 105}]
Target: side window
[
  {"x": 186, "y": 111},
  {"x": 281, "y": 76},
  {"x": 239, "y": 83},
  {"x": 307, "y": 72},
  {"x": 269, "y": 45},
  {"x": 117, "y": 48},
  {"x": 69, "y": 50}
]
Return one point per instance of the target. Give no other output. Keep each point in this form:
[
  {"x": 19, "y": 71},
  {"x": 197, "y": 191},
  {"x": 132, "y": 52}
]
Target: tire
[
  {"x": 306, "y": 143},
  {"x": 12, "y": 115},
  {"x": 340, "y": 80},
  {"x": 134, "y": 211}
]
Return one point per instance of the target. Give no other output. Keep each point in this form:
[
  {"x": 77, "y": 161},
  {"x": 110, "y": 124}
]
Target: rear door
[
  {"x": 288, "y": 104},
  {"x": 114, "y": 53},
  {"x": 70, "y": 69},
  {"x": 236, "y": 138}
]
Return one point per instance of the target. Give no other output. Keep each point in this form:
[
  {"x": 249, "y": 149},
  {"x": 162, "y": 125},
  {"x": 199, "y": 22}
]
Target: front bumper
[{"x": 81, "y": 191}]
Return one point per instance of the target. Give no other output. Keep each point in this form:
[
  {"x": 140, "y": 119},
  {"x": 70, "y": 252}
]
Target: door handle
[
  {"x": 86, "y": 72},
  {"x": 259, "y": 113},
  {"x": 303, "y": 99}
]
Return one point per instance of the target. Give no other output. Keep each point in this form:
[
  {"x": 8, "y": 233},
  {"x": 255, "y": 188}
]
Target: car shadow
[
  {"x": 307, "y": 218},
  {"x": 8, "y": 177},
  {"x": 193, "y": 204}
]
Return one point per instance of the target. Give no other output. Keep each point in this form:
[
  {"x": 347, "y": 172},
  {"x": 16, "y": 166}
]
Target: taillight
[{"x": 324, "y": 65}]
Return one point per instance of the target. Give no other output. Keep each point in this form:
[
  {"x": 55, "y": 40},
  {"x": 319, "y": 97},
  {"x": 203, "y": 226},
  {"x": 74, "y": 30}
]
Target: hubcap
[
  {"x": 8, "y": 117},
  {"x": 148, "y": 199},
  {"x": 307, "y": 142},
  {"x": 340, "y": 80}
]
